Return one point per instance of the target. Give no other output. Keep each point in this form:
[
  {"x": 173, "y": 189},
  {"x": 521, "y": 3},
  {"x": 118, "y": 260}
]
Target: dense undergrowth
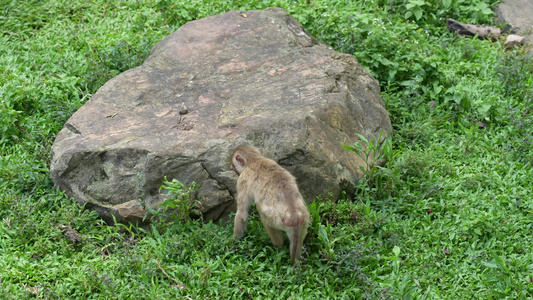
[{"x": 451, "y": 215}]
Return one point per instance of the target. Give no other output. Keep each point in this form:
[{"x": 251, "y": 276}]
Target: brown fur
[{"x": 275, "y": 192}]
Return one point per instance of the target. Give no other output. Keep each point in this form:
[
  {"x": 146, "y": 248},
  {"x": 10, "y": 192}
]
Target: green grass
[{"x": 449, "y": 217}]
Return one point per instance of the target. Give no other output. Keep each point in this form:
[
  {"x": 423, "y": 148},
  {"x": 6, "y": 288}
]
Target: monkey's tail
[{"x": 294, "y": 244}]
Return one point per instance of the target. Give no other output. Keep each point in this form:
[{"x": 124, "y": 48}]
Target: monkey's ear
[{"x": 240, "y": 160}]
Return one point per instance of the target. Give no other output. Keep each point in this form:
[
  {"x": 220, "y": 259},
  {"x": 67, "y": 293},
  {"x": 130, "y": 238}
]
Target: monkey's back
[{"x": 276, "y": 191}]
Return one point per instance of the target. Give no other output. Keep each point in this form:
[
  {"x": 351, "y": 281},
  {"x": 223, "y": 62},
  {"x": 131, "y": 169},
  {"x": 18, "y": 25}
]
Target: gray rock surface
[
  {"x": 253, "y": 77},
  {"x": 514, "y": 40},
  {"x": 519, "y": 15}
]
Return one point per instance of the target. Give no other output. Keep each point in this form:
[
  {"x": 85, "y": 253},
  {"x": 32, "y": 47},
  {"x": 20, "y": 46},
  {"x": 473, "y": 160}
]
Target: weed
[
  {"x": 182, "y": 201},
  {"x": 399, "y": 287},
  {"x": 377, "y": 180}
]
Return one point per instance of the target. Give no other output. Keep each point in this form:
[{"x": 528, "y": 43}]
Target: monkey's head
[{"x": 241, "y": 156}]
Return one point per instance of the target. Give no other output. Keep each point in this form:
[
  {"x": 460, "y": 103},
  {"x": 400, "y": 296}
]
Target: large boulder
[
  {"x": 518, "y": 17},
  {"x": 254, "y": 77}
]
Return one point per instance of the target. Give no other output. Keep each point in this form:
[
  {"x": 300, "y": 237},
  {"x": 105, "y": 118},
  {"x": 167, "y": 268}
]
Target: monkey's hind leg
[
  {"x": 302, "y": 232},
  {"x": 276, "y": 236}
]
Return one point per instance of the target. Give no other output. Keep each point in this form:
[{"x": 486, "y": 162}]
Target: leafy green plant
[
  {"x": 182, "y": 199},
  {"x": 434, "y": 11},
  {"x": 9, "y": 122},
  {"x": 416, "y": 8},
  {"x": 401, "y": 287},
  {"x": 379, "y": 180},
  {"x": 314, "y": 211},
  {"x": 325, "y": 236},
  {"x": 503, "y": 284}
]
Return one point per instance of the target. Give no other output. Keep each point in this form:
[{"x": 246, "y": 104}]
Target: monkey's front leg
[{"x": 241, "y": 218}]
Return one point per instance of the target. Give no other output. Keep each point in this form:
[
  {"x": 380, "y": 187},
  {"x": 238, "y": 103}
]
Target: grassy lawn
[{"x": 449, "y": 217}]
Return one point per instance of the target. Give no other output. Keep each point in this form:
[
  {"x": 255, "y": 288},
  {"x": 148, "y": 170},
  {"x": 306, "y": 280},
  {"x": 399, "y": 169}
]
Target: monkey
[{"x": 280, "y": 205}]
